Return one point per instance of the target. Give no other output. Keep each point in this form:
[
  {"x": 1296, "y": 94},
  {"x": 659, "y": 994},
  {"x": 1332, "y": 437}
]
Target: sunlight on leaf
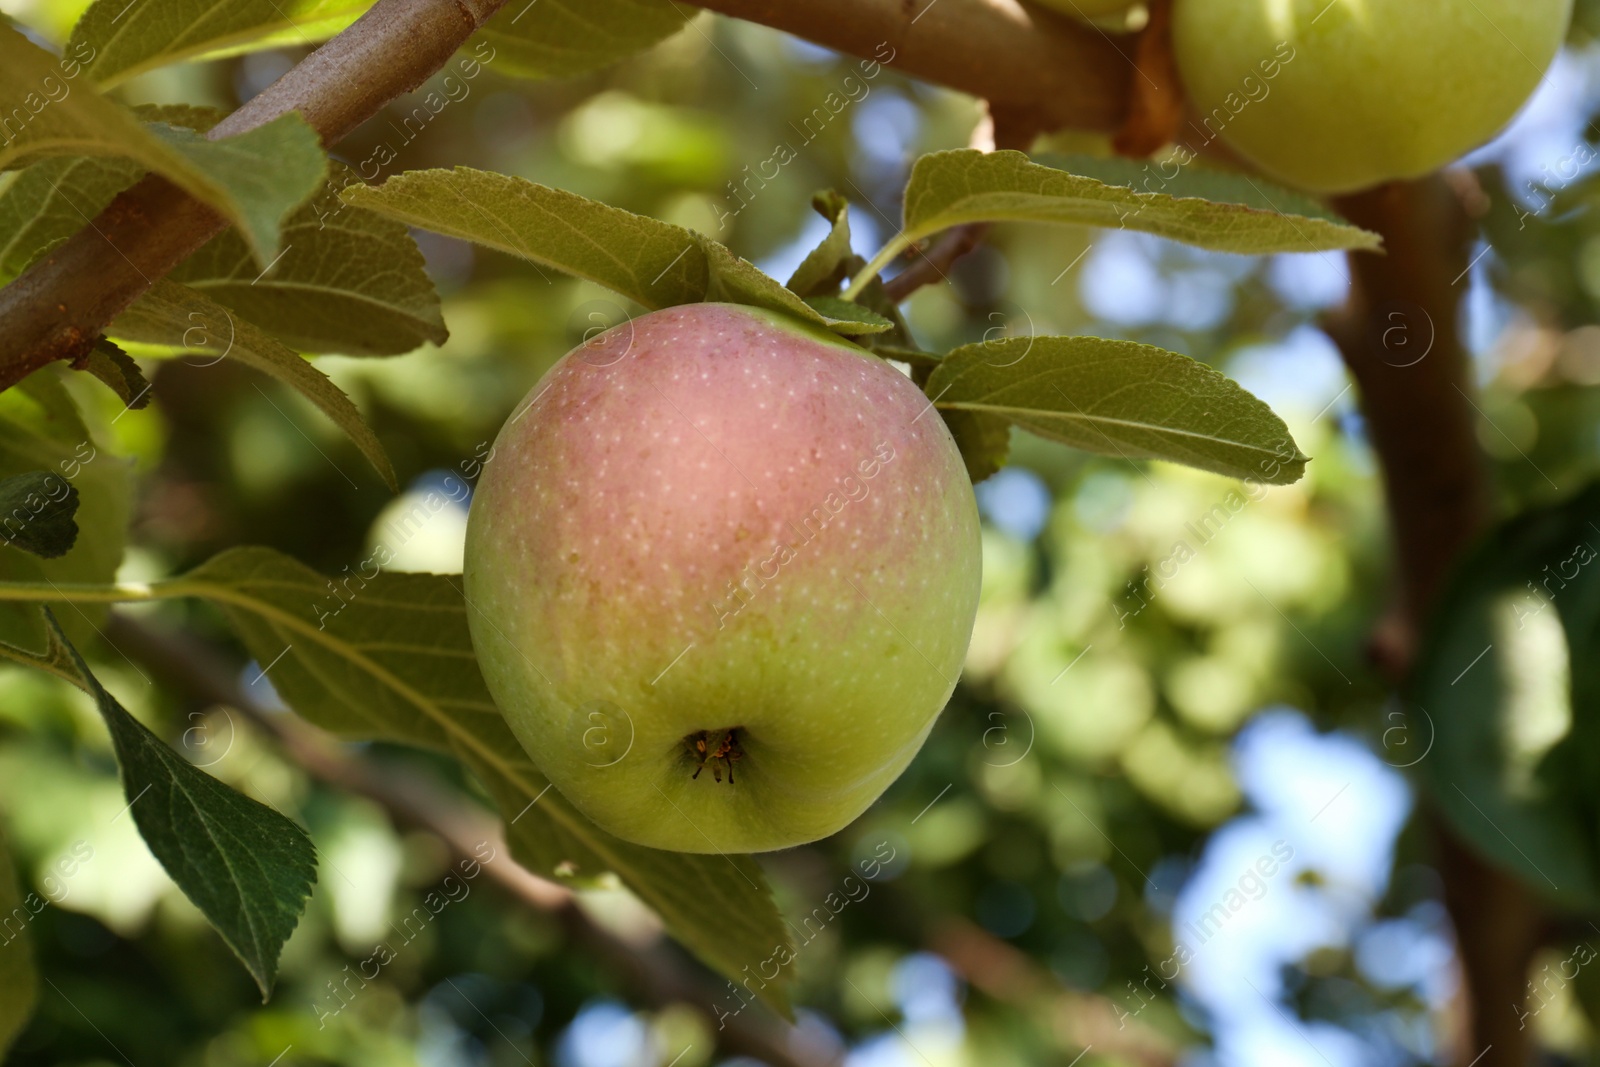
[
  {"x": 126, "y": 39},
  {"x": 42, "y": 428}
]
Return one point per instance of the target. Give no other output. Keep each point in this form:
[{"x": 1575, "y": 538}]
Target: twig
[
  {"x": 654, "y": 973},
  {"x": 930, "y": 266},
  {"x": 997, "y": 128},
  {"x": 57, "y": 308},
  {"x": 1021, "y": 58},
  {"x": 1008, "y": 974},
  {"x": 1156, "y": 99},
  {"x": 1044, "y": 70}
]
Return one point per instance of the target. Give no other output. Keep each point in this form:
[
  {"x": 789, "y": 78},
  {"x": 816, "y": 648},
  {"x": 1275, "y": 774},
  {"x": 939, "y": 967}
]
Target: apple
[
  {"x": 722, "y": 570},
  {"x": 1338, "y": 95}
]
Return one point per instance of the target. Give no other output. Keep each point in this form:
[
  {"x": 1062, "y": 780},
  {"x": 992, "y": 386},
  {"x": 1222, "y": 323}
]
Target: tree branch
[
  {"x": 653, "y": 973},
  {"x": 994, "y": 130},
  {"x": 1156, "y": 102},
  {"x": 62, "y": 303},
  {"x": 1399, "y": 339},
  {"x": 1010, "y": 976},
  {"x": 1043, "y": 69},
  {"x": 1044, "y": 72},
  {"x": 932, "y": 263}
]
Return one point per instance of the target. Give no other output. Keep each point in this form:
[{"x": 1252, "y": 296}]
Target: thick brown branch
[
  {"x": 652, "y": 972},
  {"x": 62, "y": 303},
  {"x": 1044, "y": 69},
  {"x": 1400, "y": 341}
]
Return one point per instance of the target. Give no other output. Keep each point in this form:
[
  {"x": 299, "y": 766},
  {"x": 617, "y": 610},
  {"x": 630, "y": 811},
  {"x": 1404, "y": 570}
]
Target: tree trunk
[{"x": 1401, "y": 341}]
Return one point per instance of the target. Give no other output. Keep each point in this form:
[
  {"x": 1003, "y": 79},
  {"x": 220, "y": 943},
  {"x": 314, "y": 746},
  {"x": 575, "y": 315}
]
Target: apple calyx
[{"x": 708, "y": 746}]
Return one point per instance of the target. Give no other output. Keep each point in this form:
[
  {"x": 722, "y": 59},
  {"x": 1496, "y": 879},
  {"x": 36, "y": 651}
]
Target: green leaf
[
  {"x": 950, "y": 188},
  {"x": 686, "y": 890},
  {"x": 179, "y": 317},
  {"x": 23, "y": 634},
  {"x": 52, "y": 200},
  {"x": 118, "y": 371},
  {"x": 41, "y": 428},
  {"x": 266, "y": 173},
  {"x": 916, "y": 358},
  {"x": 51, "y": 653},
  {"x": 349, "y": 280},
  {"x": 565, "y": 38},
  {"x": 984, "y": 441},
  {"x": 823, "y": 268},
  {"x": 49, "y": 201},
  {"x": 36, "y": 510},
  {"x": 253, "y": 179},
  {"x": 739, "y": 281},
  {"x": 874, "y": 318},
  {"x": 1196, "y": 181},
  {"x": 652, "y": 263},
  {"x": 126, "y": 40},
  {"x": 19, "y": 982},
  {"x": 1503, "y": 706},
  {"x": 848, "y": 318},
  {"x": 818, "y": 277},
  {"x": 389, "y": 656},
  {"x": 896, "y": 342},
  {"x": 248, "y": 869},
  {"x": 1120, "y": 398}
]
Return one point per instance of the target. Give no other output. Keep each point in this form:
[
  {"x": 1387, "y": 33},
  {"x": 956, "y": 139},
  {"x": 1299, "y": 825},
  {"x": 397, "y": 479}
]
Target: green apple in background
[
  {"x": 722, "y": 571},
  {"x": 1337, "y": 95}
]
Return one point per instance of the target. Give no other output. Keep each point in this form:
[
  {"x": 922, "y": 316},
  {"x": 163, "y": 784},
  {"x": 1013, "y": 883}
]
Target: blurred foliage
[{"x": 1134, "y": 618}]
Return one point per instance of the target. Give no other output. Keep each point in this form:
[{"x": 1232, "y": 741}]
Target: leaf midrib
[
  {"x": 373, "y": 198},
  {"x": 353, "y": 295},
  {"x": 1083, "y": 191},
  {"x": 253, "y": 919},
  {"x": 1026, "y": 414}
]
